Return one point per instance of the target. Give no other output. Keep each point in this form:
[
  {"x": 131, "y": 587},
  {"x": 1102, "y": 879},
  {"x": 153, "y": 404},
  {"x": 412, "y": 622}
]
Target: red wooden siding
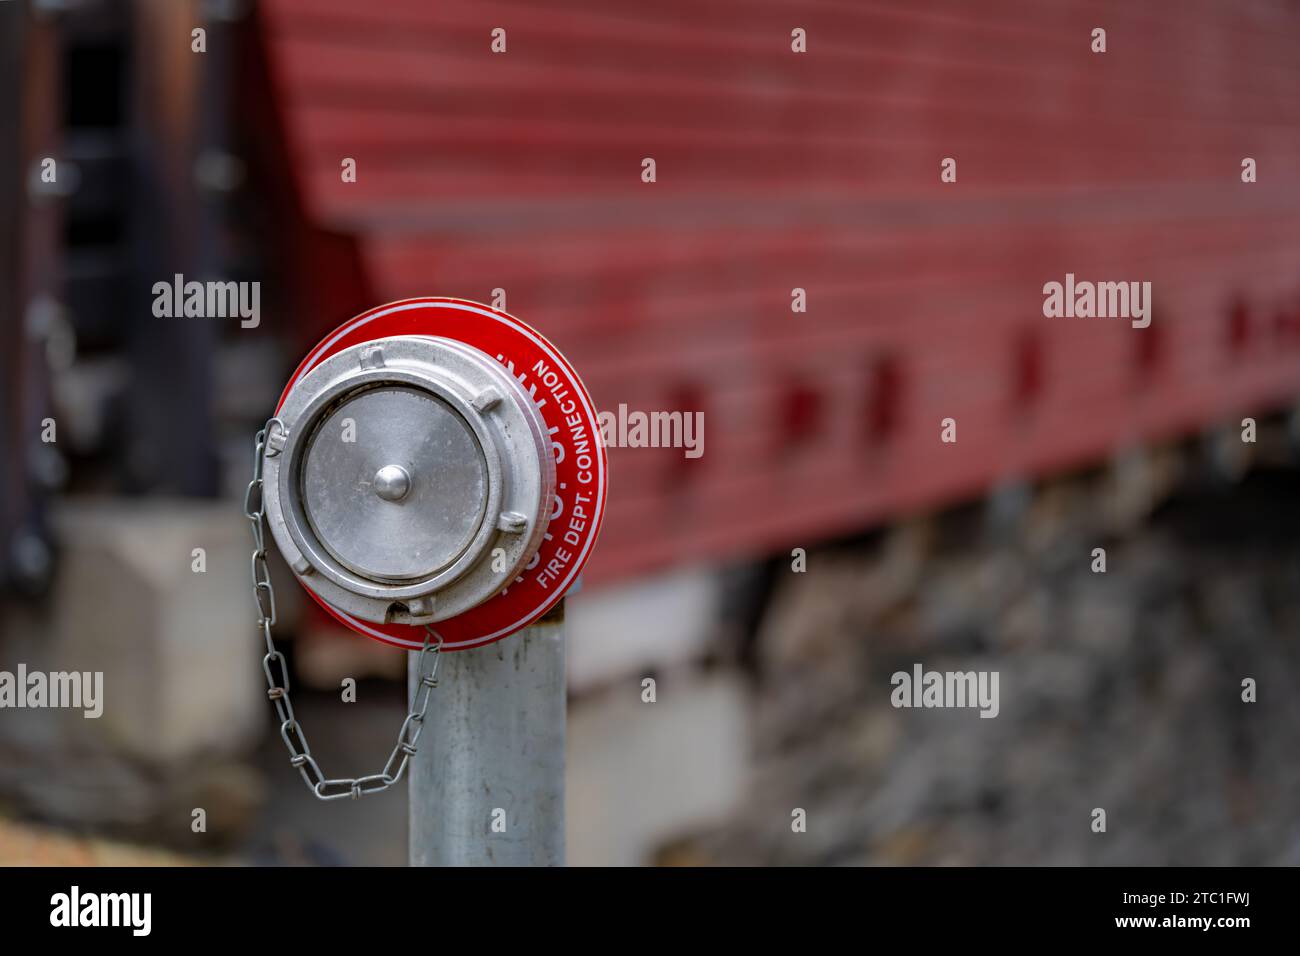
[{"x": 821, "y": 171}]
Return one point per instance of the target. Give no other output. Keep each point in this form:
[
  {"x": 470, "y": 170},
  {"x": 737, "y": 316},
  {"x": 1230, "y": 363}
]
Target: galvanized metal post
[{"x": 487, "y": 784}]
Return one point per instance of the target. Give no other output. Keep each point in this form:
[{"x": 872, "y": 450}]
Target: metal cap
[{"x": 413, "y": 479}]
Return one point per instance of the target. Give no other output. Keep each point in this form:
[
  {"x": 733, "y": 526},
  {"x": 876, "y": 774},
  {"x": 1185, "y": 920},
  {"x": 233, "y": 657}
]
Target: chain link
[{"x": 277, "y": 671}]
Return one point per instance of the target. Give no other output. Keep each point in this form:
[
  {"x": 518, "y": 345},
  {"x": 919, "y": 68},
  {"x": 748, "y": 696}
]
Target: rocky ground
[{"x": 1119, "y": 690}]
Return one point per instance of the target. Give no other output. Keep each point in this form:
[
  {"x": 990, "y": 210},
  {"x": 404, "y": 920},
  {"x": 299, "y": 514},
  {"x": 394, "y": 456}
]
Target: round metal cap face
[
  {"x": 407, "y": 479},
  {"x": 405, "y": 496},
  {"x": 407, "y": 501}
]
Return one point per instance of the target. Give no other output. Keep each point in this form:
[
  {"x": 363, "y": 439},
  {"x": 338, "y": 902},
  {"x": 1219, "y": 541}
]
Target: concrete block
[
  {"x": 654, "y": 622},
  {"x": 643, "y": 773},
  {"x": 178, "y": 648}
]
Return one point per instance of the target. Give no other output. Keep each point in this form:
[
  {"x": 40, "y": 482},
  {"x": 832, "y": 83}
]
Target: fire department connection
[{"x": 434, "y": 476}]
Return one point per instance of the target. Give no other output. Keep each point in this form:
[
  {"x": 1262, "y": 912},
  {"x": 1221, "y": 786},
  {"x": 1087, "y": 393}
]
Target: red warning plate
[{"x": 581, "y": 470}]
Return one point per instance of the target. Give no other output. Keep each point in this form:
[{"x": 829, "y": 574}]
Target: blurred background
[{"x": 515, "y": 178}]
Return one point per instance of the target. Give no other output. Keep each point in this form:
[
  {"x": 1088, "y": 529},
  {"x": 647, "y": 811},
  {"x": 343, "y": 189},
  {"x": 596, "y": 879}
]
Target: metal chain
[{"x": 278, "y": 690}]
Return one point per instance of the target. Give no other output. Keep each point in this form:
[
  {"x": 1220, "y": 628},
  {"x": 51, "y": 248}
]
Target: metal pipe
[{"x": 487, "y": 783}]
